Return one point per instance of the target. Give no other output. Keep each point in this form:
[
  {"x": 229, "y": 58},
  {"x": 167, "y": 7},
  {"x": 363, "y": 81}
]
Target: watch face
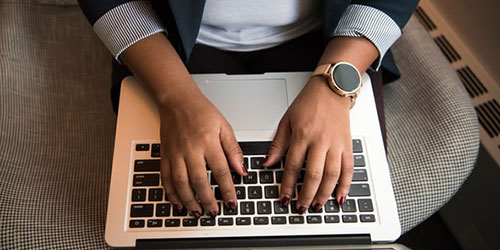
[{"x": 346, "y": 77}]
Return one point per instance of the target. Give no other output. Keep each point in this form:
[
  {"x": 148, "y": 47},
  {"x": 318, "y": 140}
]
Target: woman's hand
[
  {"x": 194, "y": 134},
  {"x": 315, "y": 128}
]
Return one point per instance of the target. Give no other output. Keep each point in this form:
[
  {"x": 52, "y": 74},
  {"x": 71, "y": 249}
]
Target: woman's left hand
[{"x": 315, "y": 128}]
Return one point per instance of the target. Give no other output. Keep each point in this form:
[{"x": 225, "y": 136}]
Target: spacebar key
[{"x": 255, "y": 147}]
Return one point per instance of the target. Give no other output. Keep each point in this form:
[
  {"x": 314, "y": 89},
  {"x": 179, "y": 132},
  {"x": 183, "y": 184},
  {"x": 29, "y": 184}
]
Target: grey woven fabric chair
[{"x": 57, "y": 128}]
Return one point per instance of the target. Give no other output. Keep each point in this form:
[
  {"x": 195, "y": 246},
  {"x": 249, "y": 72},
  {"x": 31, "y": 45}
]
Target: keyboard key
[
  {"x": 349, "y": 218},
  {"x": 162, "y": 210},
  {"x": 245, "y": 160},
  {"x": 365, "y": 205},
  {"x": 332, "y": 219},
  {"x": 367, "y": 218},
  {"x": 349, "y": 206},
  {"x": 207, "y": 221},
  {"x": 276, "y": 220},
  {"x": 359, "y": 190},
  {"x": 141, "y": 210},
  {"x": 143, "y": 180},
  {"x": 263, "y": 207},
  {"x": 243, "y": 221},
  {"x": 155, "y": 223},
  {"x": 331, "y": 206},
  {"x": 155, "y": 194},
  {"x": 247, "y": 207},
  {"x": 254, "y": 148},
  {"x": 240, "y": 193},
  {"x": 356, "y": 146},
  {"x": 296, "y": 219},
  {"x": 155, "y": 150},
  {"x": 301, "y": 176},
  {"x": 212, "y": 179},
  {"x": 251, "y": 178},
  {"x": 225, "y": 221},
  {"x": 139, "y": 194},
  {"x": 260, "y": 220},
  {"x": 275, "y": 166},
  {"x": 147, "y": 165},
  {"x": 313, "y": 219},
  {"x": 228, "y": 211},
  {"x": 181, "y": 213},
  {"x": 190, "y": 222},
  {"x": 218, "y": 195},
  {"x": 293, "y": 207},
  {"x": 271, "y": 192},
  {"x": 279, "y": 176},
  {"x": 311, "y": 210},
  {"x": 172, "y": 222},
  {"x": 257, "y": 162},
  {"x": 299, "y": 188},
  {"x": 136, "y": 223},
  {"x": 359, "y": 161},
  {"x": 359, "y": 175},
  {"x": 141, "y": 147},
  {"x": 278, "y": 209},
  {"x": 266, "y": 177},
  {"x": 236, "y": 178},
  {"x": 255, "y": 192}
]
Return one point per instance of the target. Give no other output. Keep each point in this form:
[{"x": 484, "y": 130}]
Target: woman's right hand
[{"x": 195, "y": 134}]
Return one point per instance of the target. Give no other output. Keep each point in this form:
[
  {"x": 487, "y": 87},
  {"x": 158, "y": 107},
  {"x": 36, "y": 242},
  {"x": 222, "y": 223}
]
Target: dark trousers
[{"x": 300, "y": 54}]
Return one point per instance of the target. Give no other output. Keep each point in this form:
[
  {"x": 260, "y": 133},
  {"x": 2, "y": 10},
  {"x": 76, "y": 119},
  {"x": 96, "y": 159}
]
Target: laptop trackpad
[{"x": 249, "y": 104}]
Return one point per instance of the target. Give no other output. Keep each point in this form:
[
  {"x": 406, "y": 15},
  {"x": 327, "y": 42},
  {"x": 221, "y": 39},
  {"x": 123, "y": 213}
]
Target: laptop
[{"x": 140, "y": 215}]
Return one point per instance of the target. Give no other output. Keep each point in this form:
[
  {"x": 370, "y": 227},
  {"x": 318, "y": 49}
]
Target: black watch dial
[{"x": 346, "y": 77}]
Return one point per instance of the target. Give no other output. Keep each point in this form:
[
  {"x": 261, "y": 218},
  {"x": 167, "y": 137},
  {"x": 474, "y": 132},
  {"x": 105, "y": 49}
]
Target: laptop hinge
[{"x": 278, "y": 241}]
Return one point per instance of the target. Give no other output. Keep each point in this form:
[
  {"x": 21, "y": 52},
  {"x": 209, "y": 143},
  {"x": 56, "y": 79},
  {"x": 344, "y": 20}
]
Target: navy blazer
[{"x": 182, "y": 19}]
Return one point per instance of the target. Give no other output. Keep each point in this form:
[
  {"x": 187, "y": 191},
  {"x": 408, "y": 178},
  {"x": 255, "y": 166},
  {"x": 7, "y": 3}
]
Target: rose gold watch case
[{"x": 326, "y": 71}]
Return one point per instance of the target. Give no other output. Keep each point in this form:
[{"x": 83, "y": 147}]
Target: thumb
[
  {"x": 279, "y": 144},
  {"x": 232, "y": 149}
]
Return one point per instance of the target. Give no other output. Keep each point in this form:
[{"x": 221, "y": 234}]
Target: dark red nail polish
[
  {"x": 231, "y": 204},
  {"x": 244, "y": 168},
  {"x": 212, "y": 214},
  {"x": 285, "y": 200},
  {"x": 342, "y": 201},
  {"x": 317, "y": 207},
  {"x": 301, "y": 209},
  {"x": 196, "y": 213}
]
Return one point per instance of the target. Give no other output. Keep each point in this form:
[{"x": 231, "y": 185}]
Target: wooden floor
[{"x": 432, "y": 234}]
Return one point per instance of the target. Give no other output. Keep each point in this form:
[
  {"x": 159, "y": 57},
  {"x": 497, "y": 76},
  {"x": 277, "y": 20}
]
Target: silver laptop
[{"x": 140, "y": 215}]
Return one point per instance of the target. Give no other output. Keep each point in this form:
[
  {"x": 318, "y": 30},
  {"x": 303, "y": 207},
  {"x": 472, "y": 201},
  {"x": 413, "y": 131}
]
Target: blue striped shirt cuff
[
  {"x": 127, "y": 24},
  {"x": 371, "y": 23}
]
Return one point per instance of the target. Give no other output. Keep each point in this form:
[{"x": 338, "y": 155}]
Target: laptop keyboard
[{"x": 257, "y": 195}]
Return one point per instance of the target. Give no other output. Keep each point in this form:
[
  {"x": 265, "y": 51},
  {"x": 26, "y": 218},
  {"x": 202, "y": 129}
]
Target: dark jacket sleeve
[{"x": 93, "y": 9}]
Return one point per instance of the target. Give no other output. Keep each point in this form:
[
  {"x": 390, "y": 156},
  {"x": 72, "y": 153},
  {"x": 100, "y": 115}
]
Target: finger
[
  {"x": 345, "y": 179},
  {"x": 220, "y": 170},
  {"x": 331, "y": 175},
  {"x": 279, "y": 144},
  {"x": 314, "y": 174},
  {"x": 183, "y": 188},
  {"x": 168, "y": 185},
  {"x": 232, "y": 149},
  {"x": 293, "y": 166},
  {"x": 199, "y": 182}
]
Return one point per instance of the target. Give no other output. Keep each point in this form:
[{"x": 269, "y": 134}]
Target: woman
[{"x": 163, "y": 42}]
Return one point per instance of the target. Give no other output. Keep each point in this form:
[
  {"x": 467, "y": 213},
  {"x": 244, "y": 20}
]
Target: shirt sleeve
[
  {"x": 126, "y": 24},
  {"x": 371, "y": 23}
]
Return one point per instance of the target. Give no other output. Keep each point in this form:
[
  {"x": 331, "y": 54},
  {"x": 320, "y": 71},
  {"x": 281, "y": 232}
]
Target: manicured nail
[
  {"x": 196, "y": 214},
  {"x": 317, "y": 207},
  {"x": 178, "y": 208},
  {"x": 285, "y": 200},
  {"x": 244, "y": 167},
  {"x": 231, "y": 204},
  {"x": 301, "y": 209},
  {"x": 212, "y": 213},
  {"x": 342, "y": 201}
]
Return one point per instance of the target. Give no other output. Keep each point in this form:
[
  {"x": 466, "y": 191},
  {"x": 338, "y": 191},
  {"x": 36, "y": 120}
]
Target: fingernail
[
  {"x": 317, "y": 207},
  {"x": 285, "y": 200},
  {"x": 301, "y": 209},
  {"x": 342, "y": 201},
  {"x": 212, "y": 213},
  {"x": 244, "y": 167},
  {"x": 196, "y": 213},
  {"x": 178, "y": 208},
  {"x": 231, "y": 204}
]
